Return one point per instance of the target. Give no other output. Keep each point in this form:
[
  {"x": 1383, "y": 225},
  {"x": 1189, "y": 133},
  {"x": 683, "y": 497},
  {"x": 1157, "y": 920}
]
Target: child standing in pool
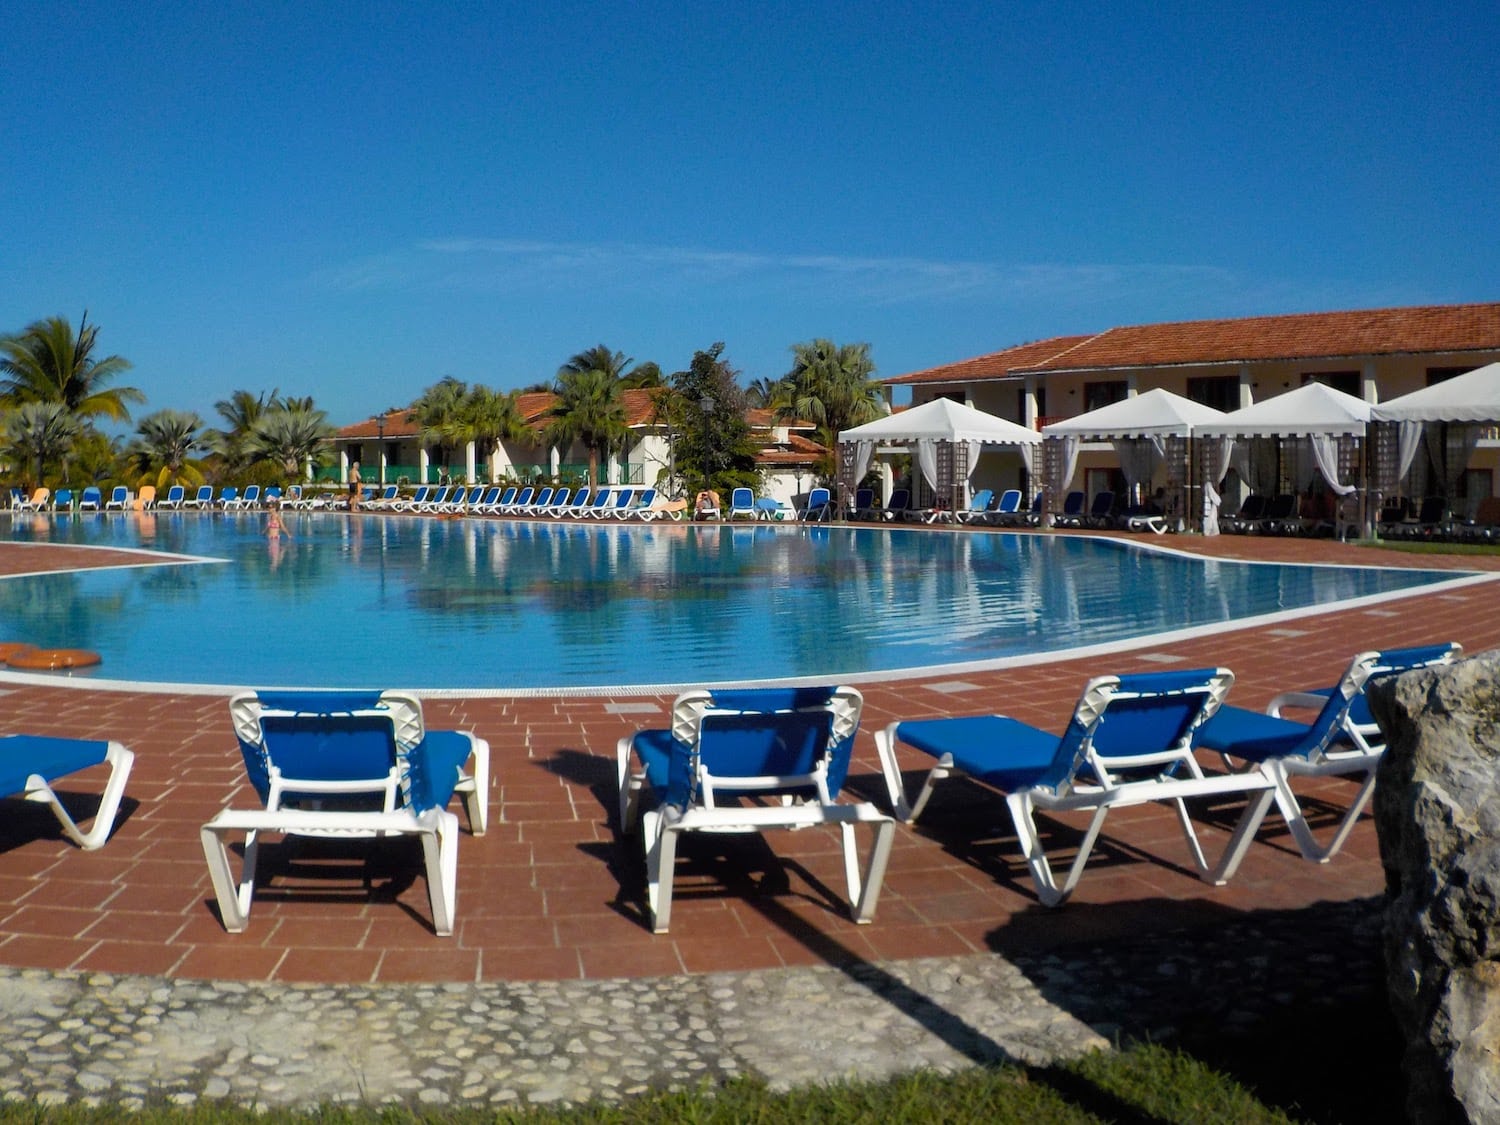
[{"x": 275, "y": 529}]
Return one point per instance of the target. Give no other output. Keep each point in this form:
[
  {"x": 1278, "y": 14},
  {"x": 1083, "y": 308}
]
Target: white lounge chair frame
[
  {"x": 663, "y": 826},
  {"x": 39, "y": 789},
  {"x": 1108, "y": 791},
  {"x": 436, "y": 828}
]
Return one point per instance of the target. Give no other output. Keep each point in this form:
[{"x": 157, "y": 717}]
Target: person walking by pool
[{"x": 354, "y": 487}]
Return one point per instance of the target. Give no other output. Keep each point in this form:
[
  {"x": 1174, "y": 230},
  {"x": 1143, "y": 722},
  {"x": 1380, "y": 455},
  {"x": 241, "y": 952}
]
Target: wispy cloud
[{"x": 515, "y": 266}]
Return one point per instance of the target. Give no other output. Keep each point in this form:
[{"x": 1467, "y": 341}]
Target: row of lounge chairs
[
  {"x": 363, "y": 764},
  {"x": 1433, "y": 519},
  {"x": 91, "y": 499}
]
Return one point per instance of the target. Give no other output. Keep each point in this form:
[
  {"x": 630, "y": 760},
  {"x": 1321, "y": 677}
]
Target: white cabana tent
[
  {"x": 946, "y": 437},
  {"x": 1468, "y": 403},
  {"x": 1329, "y": 422},
  {"x": 1146, "y": 429}
]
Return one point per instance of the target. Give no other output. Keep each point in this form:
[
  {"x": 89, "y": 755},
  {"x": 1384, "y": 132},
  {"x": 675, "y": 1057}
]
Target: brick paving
[{"x": 550, "y": 893}]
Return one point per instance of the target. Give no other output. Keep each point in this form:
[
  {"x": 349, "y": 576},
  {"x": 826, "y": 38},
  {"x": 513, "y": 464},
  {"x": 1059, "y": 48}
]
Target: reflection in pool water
[{"x": 484, "y": 604}]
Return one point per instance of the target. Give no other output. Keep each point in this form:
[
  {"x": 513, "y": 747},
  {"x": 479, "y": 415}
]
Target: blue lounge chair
[
  {"x": 1129, "y": 742},
  {"x": 788, "y": 747},
  {"x": 1341, "y": 740},
  {"x": 229, "y": 497},
  {"x": 742, "y": 504},
  {"x": 864, "y": 504},
  {"x": 176, "y": 496},
  {"x": 1072, "y": 510},
  {"x": 899, "y": 505},
  {"x": 250, "y": 498},
  {"x": 979, "y": 511},
  {"x": 640, "y": 500},
  {"x": 30, "y": 764},
  {"x": 575, "y": 507},
  {"x": 347, "y": 764},
  {"x": 1101, "y": 510},
  {"x": 90, "y": 500},
  {"x": 541, "y": 500},
  {"x": 1006, "y": 513},
  {"x": 119, "y": 498},
  {"x": 819, "y": 506},
  {"x": 62, "y": 500},
  {"x": 604, "y": 496},
  {"x": 557, "y": 504}
]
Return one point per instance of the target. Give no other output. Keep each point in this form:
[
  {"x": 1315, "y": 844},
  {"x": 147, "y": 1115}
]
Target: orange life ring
[
  {"x": 12, "y": 648},
  {"x": 51, "y": 659}
]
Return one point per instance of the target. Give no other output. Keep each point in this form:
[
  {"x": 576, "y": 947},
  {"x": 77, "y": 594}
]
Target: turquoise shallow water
[{"x": 483, "y": 604}]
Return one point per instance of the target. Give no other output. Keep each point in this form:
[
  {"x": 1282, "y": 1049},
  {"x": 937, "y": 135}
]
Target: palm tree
[
  {"x": 163, "y": 451},
  {"x": 487, "y": 417},
  {"x": 48, "y": 363},
  {"x": 588, "y": 411},
  {"x": 616, "y": 365},
  {"x": 242, "y": 411},
  {"x": 437, "y": 412},
  {"x": 831, "y": 385},
  {"x": 291, "y": 438},
  {"x": 39, "y": 432},
  {"x": 766, "y": 393}
]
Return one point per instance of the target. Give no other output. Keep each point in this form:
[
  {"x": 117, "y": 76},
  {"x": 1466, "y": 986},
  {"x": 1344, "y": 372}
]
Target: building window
[
  {"x": 1436, "y": 375},
  {"x": 1222, "y": 392},
  {"x": 1346, "y": 381},
  {"x": 1100, "y": 394}
]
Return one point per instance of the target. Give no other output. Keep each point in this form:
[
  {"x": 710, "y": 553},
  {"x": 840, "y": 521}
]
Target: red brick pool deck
[{"x": 551, "y": 892}]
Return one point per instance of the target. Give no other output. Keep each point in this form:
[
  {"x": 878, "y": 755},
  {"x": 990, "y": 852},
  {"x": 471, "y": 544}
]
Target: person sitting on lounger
[{"x": 707, "y": 505}]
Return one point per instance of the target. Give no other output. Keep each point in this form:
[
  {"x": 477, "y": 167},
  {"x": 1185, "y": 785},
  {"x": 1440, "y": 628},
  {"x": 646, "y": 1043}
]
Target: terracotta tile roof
[
  {"x": 533, "y": 407},
  {"x": 797, "y": 451},
  {"x": 1363, "y": 332},
  {"x": 996, "y": 365}
]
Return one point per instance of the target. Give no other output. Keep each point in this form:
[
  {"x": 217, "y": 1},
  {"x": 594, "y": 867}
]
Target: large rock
[{"x": 1437, "y": 811}]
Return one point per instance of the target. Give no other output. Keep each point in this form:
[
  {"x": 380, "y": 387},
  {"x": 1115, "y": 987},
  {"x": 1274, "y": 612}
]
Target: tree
[
  {"x": 241, "y": 411},
  {"x": 713, "y": 447},
  {"x": 291, "y": 438},
  {"x": 589, "y": 411},
  {"x": 48, "y": 363},
  {"x": 437, "y": 413},
  {"x": 765, "y": 393},
  {"x": 39, "y": 432},
  {"x": 162, "y": 453},
  {"x": 831, "y": 385},
  {"x": 487, "y": 417}
]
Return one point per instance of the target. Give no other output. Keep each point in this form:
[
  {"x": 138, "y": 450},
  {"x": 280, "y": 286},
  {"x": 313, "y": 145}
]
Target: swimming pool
[{"x": 371, "y": 601}]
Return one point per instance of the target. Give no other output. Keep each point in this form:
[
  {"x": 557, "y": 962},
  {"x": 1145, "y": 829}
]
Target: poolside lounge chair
[
  {"x": 36, "y": 502},
  {"x": 819, "y": 506},
  {"x": 577, "y": 506},
  {"x": 1485, "y": 524},
  {"x": 62, "y": 500},
  {"x": 435, "y": 500},
  {"x": 384, "y": 502},
  {"x": 229, "y": 497},
  {"x": 980, "y": 510},
  {"x": 174, "y": 498},
  {"x": 297, "y": 498},
  {"x": 557, "y": 503},
  {"x": 1343, "y": 739},
  {"x": 661, "y": 508},
  {"x": 1072, "y": 510},
  {"x": 604, "y": 497},
  {"x": 864, "y": 504},
  {"x": 202, "y": 498},
  {"x": 742, "y": 504},
  {"x": 789, "y": 747},
  {"x": 30, "y": 764},
  {"x": 145, "y": 500},
  {"x": 707, "y": 505},
  {"x": 91, "y": 500},
  {"x": 417, "y": 498},
  {"x": 639, "y": 500},
  {"x": 897, "y": 508},
  {"x": 250, "y": 498},
  {"x": 1249, "y": 515},
  {"x": 1101, "y": 510},
  {"x": 1129, "y": 742},
  {"x": 119, "y": 498},
  {"x": 347, "y": 764},
  {"x": 621, "y": 501},
  {"x": 541, "y": 500}
]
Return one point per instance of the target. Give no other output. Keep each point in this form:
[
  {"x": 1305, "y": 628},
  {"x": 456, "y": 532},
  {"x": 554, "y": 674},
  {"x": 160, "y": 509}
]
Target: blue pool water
[{"x": 482, "y": 604}]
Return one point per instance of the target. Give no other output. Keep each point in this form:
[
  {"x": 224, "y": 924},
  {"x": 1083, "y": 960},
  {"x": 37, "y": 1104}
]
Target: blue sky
[{"x": 353, "y": 201}]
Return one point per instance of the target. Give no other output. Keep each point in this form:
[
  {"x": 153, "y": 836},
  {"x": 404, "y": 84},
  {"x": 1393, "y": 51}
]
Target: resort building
[
  {"x": 390, "y": 450},
  {"x": 1375, "y": 355}
]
